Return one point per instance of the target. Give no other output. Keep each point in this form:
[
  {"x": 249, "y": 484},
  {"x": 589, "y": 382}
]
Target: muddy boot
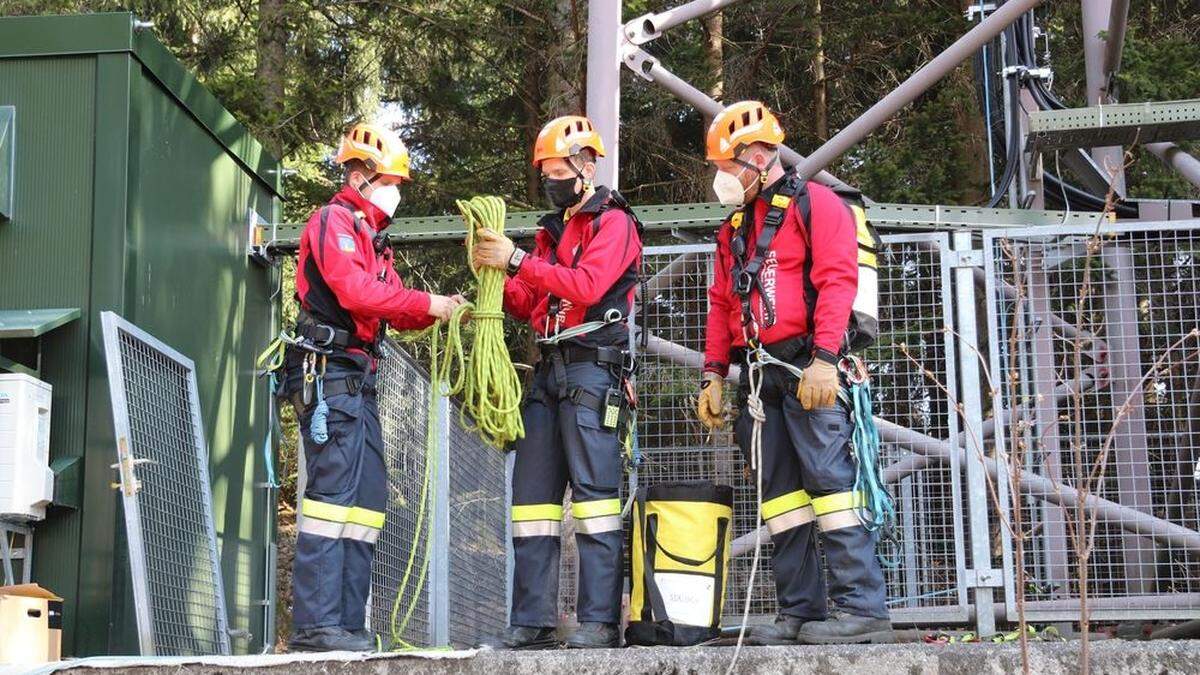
[
  {"x": 593, "y": 635},
  {"x": 523, "y": 637},
  {"x": 782, "y": 632},
  {"x": 846, "y": 629},
  {"x": 328, "y": 639}
]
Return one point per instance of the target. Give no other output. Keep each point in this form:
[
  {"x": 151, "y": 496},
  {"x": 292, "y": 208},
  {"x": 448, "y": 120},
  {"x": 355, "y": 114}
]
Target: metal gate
[
  {"x": 162, "y": 461},
  {"x": 1097, "y": 370}
]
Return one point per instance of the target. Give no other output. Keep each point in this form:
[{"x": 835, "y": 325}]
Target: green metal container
[{"x": 132, "y": 189}]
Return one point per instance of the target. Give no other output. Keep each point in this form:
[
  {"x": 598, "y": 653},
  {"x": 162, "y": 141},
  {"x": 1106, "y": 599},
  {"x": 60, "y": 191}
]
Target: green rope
[
  {"x": 486, "y": 380},
  {"x": 491, "y": 391}
]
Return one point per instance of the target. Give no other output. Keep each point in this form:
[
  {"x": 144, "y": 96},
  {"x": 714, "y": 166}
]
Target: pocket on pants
[
  {"x": 601, "y": 451},
  {"x": 822, "y": 440},
  {"x": 332, "y": 466}
]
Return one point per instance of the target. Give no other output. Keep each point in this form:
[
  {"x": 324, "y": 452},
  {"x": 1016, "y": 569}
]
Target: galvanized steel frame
[
  {"x": 113, "y": 326},
  {"x": 1101, "y": 608}
]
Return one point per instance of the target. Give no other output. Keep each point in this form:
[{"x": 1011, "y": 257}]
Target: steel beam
[
  {"x": 1114, "y": 41},
  {"x": 651, "y": 69},
  {"x": 1095, "y": 24},
  {"x": 604, "y": 83},
  {"x": 915, "y": 85},
  {"x": 650, "y": 26}
]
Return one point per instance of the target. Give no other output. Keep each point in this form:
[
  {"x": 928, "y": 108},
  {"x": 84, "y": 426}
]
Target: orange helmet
[
  {"x": 378, "y": 147},
  {"x": 740, "y": 125},
  {"x": 566, "y": 136}
]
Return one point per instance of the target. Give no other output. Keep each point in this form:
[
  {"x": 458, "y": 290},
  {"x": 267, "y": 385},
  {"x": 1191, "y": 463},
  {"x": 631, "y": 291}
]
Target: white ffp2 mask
[
  {"x": 387, "y": 198},
  {"x": 729, "y": 189}
]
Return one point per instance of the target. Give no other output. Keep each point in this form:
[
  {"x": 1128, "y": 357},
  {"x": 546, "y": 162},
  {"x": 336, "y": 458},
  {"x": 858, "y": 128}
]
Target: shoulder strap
[{"x": 793, "y": 188}]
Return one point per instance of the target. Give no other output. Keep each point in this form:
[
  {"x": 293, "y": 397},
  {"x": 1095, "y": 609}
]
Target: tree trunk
[
  {"x": 271, "y": 70},
  {"x": 563, "y": 74},
  {"x": 820, "y": 87},
  {"x": 531, "y": 106},
  {"x": 714, "y": 61},
  {"x": 366, "y": 64}
]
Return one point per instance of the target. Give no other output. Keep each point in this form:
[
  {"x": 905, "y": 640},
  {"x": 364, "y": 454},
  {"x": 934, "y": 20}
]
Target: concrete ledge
[{"x": 1108, "y": 656}]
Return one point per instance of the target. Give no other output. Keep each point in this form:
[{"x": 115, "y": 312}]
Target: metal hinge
[
  {"x": 989, "y": 578},
  {"x": 965, "y": 258},
  {"x": 129, "y": 484}
]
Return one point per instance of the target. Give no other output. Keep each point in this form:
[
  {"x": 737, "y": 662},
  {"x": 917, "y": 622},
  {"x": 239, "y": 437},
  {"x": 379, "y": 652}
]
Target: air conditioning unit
[{"x": 26, "y": 482}]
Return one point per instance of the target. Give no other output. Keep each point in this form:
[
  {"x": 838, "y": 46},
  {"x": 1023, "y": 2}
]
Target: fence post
[
  {"x": 439, "y": 543},
  {"x": 980, "y": 574}
]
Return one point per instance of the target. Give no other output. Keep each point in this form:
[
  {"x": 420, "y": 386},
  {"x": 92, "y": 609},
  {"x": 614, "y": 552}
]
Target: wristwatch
[{"x": 515, "y": 260}]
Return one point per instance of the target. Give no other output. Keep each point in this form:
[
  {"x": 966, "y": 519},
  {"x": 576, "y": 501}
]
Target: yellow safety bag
[{"x": 682, "y": 537}]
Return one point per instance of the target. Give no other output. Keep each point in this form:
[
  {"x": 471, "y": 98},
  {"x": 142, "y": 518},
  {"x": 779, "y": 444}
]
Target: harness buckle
[{"x": 854, "y": 369}]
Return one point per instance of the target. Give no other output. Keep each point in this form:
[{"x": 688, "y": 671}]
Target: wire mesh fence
[
  {"x": 163, "y": 466},
  {"x": 1096, "y": 359},
  {"x": 471, "y": 553}
]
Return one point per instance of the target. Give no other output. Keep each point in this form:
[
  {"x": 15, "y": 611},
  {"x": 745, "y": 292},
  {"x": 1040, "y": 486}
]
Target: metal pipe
[
  {"x": 1174, "y": 156},
  {"x": 651, "y": 69},
  {"x": 604, "y": 83},
  {"x": 1114, "y": 41},
  {"x": 915, "y": 85},
  {"x": 1095, "y": 23},
  {"x": 650, "y": 26}
]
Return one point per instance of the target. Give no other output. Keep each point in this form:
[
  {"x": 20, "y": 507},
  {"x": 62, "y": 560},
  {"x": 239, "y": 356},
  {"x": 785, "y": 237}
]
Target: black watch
[{"x": 515, "y": 260}]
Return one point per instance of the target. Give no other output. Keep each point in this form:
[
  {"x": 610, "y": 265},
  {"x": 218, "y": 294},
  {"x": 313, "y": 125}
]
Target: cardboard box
[{"x": 30, "y": 625}]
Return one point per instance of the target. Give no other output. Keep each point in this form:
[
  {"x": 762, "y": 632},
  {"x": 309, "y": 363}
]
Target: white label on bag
[{"x": 688, "y": 597}]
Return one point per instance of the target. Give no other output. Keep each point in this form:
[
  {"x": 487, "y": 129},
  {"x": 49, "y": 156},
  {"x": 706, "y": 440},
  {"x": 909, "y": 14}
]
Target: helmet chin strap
[{"x": 762, "y": 173}]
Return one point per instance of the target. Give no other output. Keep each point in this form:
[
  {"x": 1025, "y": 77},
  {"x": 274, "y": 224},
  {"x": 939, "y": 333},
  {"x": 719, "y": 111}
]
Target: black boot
[
  {"x": 328, "y": 639},
  {"x": 846, "y": 629},
  {"x": 782, "y": 632},
  {"x": 370, "y": 636},
  {"x": 523, "y": 637},
  {"x": 593, "y": 635}
]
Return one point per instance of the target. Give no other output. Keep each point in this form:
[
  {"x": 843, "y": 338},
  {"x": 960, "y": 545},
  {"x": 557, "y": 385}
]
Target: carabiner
[{"x": 854, "y": 369}]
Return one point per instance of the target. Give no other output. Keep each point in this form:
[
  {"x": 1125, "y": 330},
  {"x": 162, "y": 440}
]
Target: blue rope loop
[
  {"x": 878, "y": 511},
  {"x": 319, "y": 428}
]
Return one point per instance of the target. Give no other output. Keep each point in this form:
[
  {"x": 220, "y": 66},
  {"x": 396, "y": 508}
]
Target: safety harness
[{"x": 617, "y": 407}]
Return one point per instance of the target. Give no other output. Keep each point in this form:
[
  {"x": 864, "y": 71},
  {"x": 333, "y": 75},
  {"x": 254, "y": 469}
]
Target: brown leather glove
[
  {"x": 818, "y": 386},
  {"x": 711, "y": 403}
]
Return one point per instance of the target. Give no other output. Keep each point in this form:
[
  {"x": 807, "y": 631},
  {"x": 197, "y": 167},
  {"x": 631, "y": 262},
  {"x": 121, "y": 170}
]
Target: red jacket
[
  {"x": 343, "y": 282},
  {"x": 834, "y": 275},
  {"x": 593, "y": 269}
]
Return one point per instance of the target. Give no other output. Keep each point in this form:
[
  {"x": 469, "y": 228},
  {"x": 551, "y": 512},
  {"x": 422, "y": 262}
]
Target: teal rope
[{"x": 878, "y": 511}]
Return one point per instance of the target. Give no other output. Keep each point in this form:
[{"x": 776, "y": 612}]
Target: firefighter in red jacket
[
  {"x": 348, "y": 292},
  {"x": 788, "y": 285},
  {"x": 576, "y": 289}
]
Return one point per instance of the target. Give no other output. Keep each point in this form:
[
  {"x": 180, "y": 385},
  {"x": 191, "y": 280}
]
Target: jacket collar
[
  {"x": 553, "y": 222},
  {"x": 351, "y": 199}
]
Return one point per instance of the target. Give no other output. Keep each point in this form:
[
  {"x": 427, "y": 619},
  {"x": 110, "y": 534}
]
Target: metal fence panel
[
  {"x": 910, "y": 365},
  {"x": 163, "y": 466},
  {"x": 470, "y": 551},
  {"x": 1092, "y": 378}
]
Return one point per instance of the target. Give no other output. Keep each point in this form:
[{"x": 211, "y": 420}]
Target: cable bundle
[{"x": 489, "y": 384}]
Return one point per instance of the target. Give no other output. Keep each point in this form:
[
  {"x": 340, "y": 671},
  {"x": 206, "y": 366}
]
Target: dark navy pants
[
  {"x": 342, "y": 513},
  {"x": 565, "y": 442},
  {"x": 808, "y": 491}
]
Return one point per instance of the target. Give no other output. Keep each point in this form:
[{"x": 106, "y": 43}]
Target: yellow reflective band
[
  {"x": 781, "y": 201},
  {"x": 785, "y": 503},
  {"x": 523, "y": 512},
  {"x": 366, "y": 517},
  {"x": 600, "y": 507},
  {"x": 312, "y": 508},
  {"x": 842, "y": 501},
  {"x": 736, "y": 220},
  {"x": 868, "y": 259}
]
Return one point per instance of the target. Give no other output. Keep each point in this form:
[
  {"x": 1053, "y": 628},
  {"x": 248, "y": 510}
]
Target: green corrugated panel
[
  {"x": 133, "y": 189},
  {"x": 47, "y": 264}
]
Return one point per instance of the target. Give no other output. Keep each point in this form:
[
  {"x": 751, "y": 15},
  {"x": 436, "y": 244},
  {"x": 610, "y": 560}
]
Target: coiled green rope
[{"x": 491, "y": 390}]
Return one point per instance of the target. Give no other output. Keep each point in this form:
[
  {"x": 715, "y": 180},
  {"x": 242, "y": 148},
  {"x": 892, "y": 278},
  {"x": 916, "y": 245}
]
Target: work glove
[
  {"x": 492, "y": 249},
  {"x": 818, "y": 386},
  {"x": 709, "y": 408}
]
